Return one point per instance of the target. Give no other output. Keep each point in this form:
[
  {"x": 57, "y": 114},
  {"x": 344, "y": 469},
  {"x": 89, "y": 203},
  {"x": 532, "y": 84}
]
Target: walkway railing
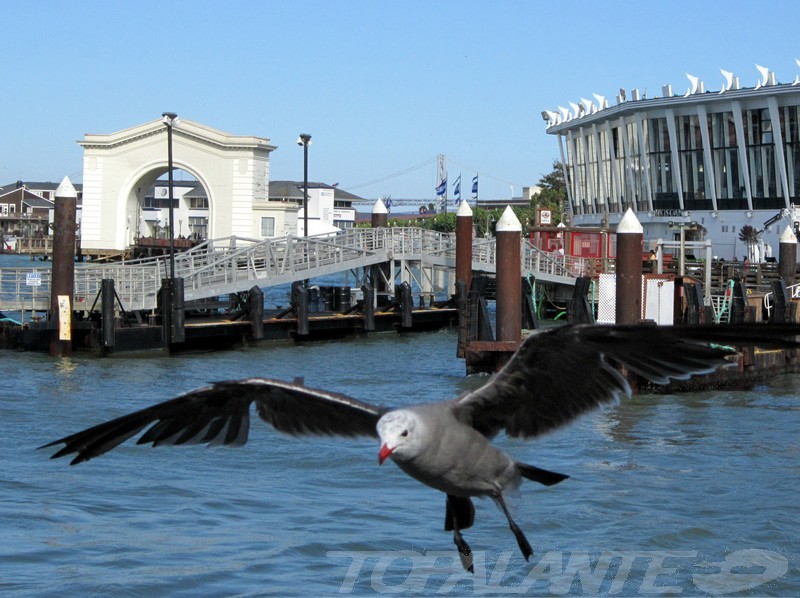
[{"x": 234, "y": 264}]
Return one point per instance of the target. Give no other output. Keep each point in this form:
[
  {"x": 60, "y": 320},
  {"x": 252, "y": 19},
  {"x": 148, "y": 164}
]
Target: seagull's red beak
[{"x": 384, "y": 454}]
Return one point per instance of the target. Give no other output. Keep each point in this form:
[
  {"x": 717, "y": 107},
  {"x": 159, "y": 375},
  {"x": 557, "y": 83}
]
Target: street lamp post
[
  {"x": 169, "y": 290},
  {"x": 305, "y": 141},
  {"x": 170, "y": 119}
]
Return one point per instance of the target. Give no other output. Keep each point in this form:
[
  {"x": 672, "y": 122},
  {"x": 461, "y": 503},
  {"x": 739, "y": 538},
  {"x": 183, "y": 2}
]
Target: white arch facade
[{"x": 119, "y": 168}]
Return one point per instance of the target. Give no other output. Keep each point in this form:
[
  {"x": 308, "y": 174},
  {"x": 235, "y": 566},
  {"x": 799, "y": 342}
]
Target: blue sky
[{"x": 382, "y": 86}]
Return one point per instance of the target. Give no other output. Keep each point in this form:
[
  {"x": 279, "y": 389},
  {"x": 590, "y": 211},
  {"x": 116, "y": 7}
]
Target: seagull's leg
[
  {"x": 524, "y": 546},
  {"x": 452, "y": 522}
]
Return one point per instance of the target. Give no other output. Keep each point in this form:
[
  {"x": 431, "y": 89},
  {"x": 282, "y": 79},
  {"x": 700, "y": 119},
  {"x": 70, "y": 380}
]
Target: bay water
[{"x": 687, "y": 494}]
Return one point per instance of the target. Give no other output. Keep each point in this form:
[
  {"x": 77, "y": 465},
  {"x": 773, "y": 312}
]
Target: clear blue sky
[{"x": 382, "y": 86}]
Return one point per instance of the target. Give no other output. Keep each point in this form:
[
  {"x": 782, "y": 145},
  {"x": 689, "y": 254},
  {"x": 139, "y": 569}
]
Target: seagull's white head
[{"x": 400, "y": 434}]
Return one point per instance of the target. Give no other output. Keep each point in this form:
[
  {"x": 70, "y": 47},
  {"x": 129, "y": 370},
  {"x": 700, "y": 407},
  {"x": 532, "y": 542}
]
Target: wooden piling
[
  {"x": 405, "y": 302},
  {"x": 300, "y": 307},
  {"x": 255, "y": 308},
  {"x": 463, "y": 271},
  {"x": 108, "y": 321},
  {"x": 508, "y": 276},
  {"x": 630, "y": 236},
  {"x": 380, "y": 215},
  {"x": 62, "y": 283},
  {"x": 369, "y": 308},
  {"x": 380, "y": 273},
  {"x": 787, "y": 256},
  {"x": 464, "y": 244}
]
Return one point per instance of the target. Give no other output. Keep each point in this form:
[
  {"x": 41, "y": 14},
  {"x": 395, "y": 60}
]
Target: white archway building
[{"x": 119, "y": 168}]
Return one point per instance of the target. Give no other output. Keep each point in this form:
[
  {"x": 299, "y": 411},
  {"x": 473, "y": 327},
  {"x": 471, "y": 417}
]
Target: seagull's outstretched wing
[
  {"x": 562, "y": 372},
  {"x": 220, "y": 415}
]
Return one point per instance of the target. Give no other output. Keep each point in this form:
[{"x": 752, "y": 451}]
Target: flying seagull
[{"x": 556, "y": 375}]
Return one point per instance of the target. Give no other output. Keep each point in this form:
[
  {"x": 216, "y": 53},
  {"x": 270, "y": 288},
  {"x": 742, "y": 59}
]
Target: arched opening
[{"x": 147, "y": 222}]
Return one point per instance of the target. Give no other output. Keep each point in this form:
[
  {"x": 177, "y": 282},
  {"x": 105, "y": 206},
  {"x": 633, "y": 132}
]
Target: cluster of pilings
[
  {"x": 481, "y": 352},
  {"x": 485, "y": 350}
]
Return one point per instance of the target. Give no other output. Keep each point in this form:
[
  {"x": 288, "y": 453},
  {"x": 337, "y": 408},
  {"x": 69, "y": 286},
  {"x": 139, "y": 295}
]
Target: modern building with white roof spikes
[{"x": 708, "y": 161}]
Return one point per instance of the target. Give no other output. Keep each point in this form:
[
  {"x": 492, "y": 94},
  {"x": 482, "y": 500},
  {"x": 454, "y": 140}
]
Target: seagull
[{"x": 557, "y": 374}]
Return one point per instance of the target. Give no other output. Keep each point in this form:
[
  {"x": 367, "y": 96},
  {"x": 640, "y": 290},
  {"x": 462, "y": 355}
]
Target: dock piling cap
[
  {"x": 464, "y": 209},
  {"x": 788, "y": 236},
  {"x": 66, "y": 189},
  {"x": 630, "y": 224},
  {"x": 508, "y": 223},
  {"x": 379, "y": 207}
]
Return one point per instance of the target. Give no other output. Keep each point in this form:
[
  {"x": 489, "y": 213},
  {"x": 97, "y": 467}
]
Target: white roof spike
[
  {"x": 695, "y": 81},
  {"x": 764, "y": 74},
  {"x": 576, "y": 110},
  {"x": 589, "y": 105},
  {"x": 602, "y": 103},
  {"x": 564, "y": 112},
  {"x": 728, "y": 80},
  {"x": 796, "y": 80}
]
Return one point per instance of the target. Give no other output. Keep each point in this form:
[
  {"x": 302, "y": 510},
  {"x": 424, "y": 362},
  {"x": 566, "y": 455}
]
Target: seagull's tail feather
[
  {"x": 460, "y": 508},
  {"x": 535, "y": 474}
]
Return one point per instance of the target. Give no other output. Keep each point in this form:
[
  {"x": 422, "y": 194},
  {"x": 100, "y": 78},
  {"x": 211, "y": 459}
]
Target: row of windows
[
  {"x": 195, "y": 203},
  {"x": 600, "y": 167}
]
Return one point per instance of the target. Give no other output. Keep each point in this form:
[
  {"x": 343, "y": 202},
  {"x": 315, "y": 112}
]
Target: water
[{"x": 691, "y": 494}]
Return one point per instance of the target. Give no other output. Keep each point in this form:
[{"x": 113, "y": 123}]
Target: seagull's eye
[{"x": 404, "y": 433}]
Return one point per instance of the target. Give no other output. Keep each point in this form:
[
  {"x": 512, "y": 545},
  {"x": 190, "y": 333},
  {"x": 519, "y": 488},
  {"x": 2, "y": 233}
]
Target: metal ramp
[{"x": 230, "y": 265}]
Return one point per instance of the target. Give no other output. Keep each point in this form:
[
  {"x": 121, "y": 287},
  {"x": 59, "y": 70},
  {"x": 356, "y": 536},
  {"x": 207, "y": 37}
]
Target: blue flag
[
  {"x": 475, "y": 186},
  {"x": 442, "y": 188},
  {"x": 457, "y": 190}
]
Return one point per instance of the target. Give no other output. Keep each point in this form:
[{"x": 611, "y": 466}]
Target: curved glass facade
[{"x": 737, "y": 150}]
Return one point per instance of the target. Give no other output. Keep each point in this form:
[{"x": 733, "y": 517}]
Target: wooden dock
[{"x": 224, "y": 332}]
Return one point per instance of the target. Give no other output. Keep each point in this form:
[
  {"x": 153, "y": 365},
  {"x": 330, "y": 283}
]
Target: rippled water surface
[{"x": 685, "y": 495}]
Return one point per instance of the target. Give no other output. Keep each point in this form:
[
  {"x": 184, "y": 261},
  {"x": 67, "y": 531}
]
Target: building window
[
  {"x": 198, "y": 203},
  {"x": 267, "y": 226}
]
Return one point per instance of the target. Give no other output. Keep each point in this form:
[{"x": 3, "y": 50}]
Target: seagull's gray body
[
  {"x": 556, "y": 375},
  {"x": 456, "y": 458}
]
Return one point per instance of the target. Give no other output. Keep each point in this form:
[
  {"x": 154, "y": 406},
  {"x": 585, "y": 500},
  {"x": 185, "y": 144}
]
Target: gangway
[{"x": 235, "y": 264}]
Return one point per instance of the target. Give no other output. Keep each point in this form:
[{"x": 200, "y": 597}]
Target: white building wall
[
  {"x": 92, "y": 205},
  {"x": 242, "y": 190},
  {"x": 119, "y": 167}
]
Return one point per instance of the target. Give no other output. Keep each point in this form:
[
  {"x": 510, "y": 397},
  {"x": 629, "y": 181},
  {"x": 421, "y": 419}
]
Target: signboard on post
[
  {"x": 64, "y": 318},
  {"x": 545, "y": 217},
  {"x": 33, "y": 279}
]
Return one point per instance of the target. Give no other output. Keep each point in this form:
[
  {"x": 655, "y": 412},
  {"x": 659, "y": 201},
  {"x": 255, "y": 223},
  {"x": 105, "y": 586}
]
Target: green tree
[
  {"x": 553, "y": 194},
  {"x": 749, "y": 236},
  {"x": 554, "y": 179}
]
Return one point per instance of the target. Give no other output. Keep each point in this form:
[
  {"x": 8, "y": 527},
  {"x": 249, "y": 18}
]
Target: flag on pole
[
  {"x": 475, "y": 186},
  {"x": 442, "y": 188},
  {"x": 457, "y": 191}
]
